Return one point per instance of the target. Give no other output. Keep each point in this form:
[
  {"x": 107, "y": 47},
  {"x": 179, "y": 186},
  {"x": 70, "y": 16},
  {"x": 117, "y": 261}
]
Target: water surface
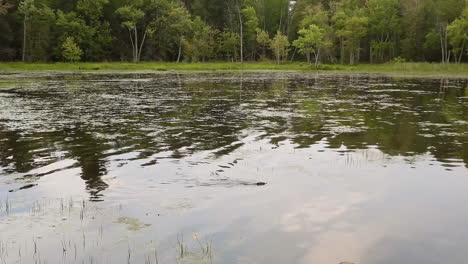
[{"x": 260, "y": 167}]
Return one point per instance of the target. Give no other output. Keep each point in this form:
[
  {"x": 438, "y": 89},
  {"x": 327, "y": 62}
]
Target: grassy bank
[
  {"x": 404, "y": 68},
  {"x": 149, "y": 66}
]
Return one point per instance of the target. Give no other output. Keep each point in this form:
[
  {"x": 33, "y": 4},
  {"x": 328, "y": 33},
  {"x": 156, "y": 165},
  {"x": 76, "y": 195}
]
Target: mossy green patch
[{"x": 133, "y": 224}]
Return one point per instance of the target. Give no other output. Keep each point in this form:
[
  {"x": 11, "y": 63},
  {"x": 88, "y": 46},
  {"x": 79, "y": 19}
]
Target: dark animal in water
[
  {"x": 24, "y": 187},
  {"x": 254, "y": 183}
]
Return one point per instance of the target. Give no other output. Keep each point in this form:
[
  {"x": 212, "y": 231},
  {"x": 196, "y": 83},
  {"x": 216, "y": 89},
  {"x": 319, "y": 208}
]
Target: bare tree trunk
[
  {"x": 24, "y": 38},
  {"x": 135, "y": 57},
  {"x": 278, "y": 56},
  {"x": 341, "y": 51},
  {"x": 462, "y": 50},
  {"x": 133, "y": 43},
  {"x": 180, "y": 50},
  {"x": 281, "y": 21},
  {"x": 294, "y": 54},
  {"x": 264, "y": 16},
  {"x": 444, "y": 43},
  {"x": 358, "y": 55},
  {"x": 141, "y": 45},
  {"x": 241, "y": 35},
  {"x": 442, "y": 48},
  {"x": 317, "y": 56},
  {"x": 290, "y": 17}
]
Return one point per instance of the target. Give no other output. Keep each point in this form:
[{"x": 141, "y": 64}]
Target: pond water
[{"x": 258, "y": 167}]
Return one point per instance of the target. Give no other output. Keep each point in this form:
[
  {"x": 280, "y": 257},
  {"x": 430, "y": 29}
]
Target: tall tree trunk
[
  {"x": 317, "y": 56},
  {"x": 141, "y": 45},
  {"x": 241, "y": 23},
  {"x": 180, "y": 50},
  {"x": 280, "y": 28},
  {"x": 135, "y": 56},
  {"x": 358, "y": 55},
  {"x": 24, "y": 38},
  {"x": 290, "y": 17},
  {"x": 341, "y": 51},
  {"x": 444, "y": 43},
  {"x": 294, "y": 54},
  {"x": 442, "y": 48},
  {"x": 462, "y": 50},
  {"x": 278, "y": 56},
  {"x": 133, "y": 43}
]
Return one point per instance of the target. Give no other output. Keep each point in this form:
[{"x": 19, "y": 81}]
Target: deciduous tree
[
  {"x": 4, "y": 6},
  {"x": 310, "y": 42},
  {"x": 202, "y": 44},
  {"x": 458, "y": 35},
  {"x": 70, "y": 50},
  {"x": 37, "y": 22},
  {"x": 251, "y": 24},
  {"x": 350, "y": 22},
  {"x": 280, "y": 46},
  {"x": 263, "y": 39},
  {"x": 229, "y": 44},
  {"x": 133, "y": 20},
  {"x": 384, "y": 28}
]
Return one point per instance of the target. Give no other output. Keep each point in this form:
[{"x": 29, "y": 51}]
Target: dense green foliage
[
  {"x": 319, "y": 31},
  {"x": 71, "y": 51}
]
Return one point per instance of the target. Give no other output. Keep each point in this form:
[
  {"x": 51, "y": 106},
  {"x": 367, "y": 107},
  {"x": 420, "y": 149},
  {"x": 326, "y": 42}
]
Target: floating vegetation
[
  {"x": 3, "y": 252},
  {"x": 5, "y": 205},
  {"x": 132, "y": 224}
]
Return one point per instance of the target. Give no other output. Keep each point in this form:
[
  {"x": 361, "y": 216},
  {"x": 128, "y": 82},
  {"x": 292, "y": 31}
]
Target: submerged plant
[
  {"x": 3, "y": 252},
  {"x": 204, "y": 254}
]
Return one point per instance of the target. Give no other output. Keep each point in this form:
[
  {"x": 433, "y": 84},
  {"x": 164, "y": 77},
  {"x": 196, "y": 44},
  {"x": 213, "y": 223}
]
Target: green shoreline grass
[{"x": 401, "y": 68}]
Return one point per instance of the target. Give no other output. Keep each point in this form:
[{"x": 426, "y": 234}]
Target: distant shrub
[
  {"x": 398, "y": 60},
  {"x": 71, "y": 51},
  {"x": 326, "y": 67},
  {"x": 330, "y": 67}
]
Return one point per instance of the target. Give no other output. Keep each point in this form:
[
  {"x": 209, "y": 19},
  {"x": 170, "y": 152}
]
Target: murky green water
[{"x": 130, "y": 168}]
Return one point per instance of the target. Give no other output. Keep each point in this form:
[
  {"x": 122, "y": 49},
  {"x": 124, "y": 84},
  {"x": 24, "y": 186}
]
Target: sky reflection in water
[{"x": 368, "y": 169}]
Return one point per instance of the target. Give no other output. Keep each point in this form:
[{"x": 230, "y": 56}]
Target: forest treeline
[{"x": 319, "y": 31}]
